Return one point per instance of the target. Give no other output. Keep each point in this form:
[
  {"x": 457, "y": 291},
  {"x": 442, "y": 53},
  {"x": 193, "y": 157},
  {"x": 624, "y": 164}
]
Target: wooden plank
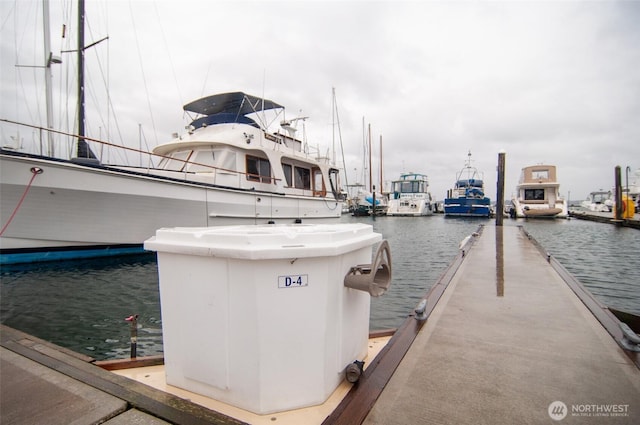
[{"x": 119, "y": 364}]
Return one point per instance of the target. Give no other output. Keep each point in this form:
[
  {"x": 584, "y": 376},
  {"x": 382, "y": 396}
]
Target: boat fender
[
  {"x": 354, "y": 371},
  {"x": 373, "y": 278},
  {"x": 630, "y": 340},
  {"x": 464, "y": 241}
]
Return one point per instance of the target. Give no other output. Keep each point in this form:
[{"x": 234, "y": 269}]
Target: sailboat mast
[
  {"x": 83, "y": 149},
  {"x": 381, "y": 187},
  {"x": 48, "y": 60},
  {"x": 370, "y": 170},
  {"x": 333, "y": 123},
  {"x": 80, "y": 76}
]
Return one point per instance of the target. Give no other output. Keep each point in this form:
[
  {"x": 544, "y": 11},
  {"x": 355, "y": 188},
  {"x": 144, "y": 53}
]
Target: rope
[{"x": 35, "y": 171}]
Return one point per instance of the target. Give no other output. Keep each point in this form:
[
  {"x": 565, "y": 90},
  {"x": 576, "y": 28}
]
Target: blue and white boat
[{"x": 467, "y": 198}]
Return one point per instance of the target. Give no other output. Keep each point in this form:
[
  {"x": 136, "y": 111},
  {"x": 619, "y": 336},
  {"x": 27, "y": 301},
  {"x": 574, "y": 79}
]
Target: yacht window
[
  {"x": 318, "y": 183},
  {"x": 302, "y": 178},
  {"x": 534, "y": 194},
  {"x": 178, "y": 160},
  {"x": 258, "y": 169},
  {"x": 226, "y": 159},
  {"x": 540, "y": 175},
  {"x": 205, "y": 161},
  {"x": 288, "y": 174}
]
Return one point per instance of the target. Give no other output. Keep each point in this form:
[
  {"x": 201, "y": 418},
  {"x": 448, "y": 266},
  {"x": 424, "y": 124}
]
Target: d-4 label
[{"x": 293, "y": 281}]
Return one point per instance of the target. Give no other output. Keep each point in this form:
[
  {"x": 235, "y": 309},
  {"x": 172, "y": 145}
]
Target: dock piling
[
  {"x": 500, "y": 189},
  {"x": 618, "y": 194}
]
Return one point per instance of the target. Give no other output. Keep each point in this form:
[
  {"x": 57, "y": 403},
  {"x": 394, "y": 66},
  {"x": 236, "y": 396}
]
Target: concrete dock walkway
[
  {"x": 505, "y": 342},
  {"x": 41, "y": 383}
]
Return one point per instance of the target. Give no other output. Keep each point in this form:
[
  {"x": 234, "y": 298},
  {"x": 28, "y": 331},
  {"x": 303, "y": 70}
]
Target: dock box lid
[{"x": 261, "y": 242}]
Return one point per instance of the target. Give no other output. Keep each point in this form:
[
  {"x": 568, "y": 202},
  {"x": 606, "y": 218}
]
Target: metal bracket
[{"x": 373, "y": 278}]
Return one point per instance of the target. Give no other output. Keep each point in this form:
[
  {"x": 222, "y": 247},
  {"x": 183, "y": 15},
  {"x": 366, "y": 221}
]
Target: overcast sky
[{"x": 548, "y": 82}]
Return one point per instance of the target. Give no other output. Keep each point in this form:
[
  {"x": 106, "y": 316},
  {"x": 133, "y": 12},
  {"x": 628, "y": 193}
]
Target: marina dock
[
  {"x": 606, "y": 217},
  {"x": 507, "y": 336},
  {"x": 507, "y": 339}
]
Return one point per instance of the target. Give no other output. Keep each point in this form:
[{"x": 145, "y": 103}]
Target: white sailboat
[{"x": 230, "y": 167}]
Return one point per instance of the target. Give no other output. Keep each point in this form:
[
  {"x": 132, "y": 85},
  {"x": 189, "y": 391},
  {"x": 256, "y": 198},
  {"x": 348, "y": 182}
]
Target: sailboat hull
[{"x": 70, "y": 210}]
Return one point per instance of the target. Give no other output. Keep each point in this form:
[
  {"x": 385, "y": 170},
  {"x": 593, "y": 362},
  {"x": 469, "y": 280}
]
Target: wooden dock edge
[
  {"x": 138, "y": 396},
  {"x": 625, "y": 222}
]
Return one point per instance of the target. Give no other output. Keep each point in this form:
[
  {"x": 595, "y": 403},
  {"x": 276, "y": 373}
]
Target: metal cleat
[{"x": 630, "y": 340}]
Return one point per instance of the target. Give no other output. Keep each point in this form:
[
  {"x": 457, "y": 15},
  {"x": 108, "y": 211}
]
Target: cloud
[{"x": 552, "y": 82}]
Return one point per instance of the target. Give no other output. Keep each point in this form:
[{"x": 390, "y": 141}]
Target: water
[
  {"x": 82, "y": 305},
  {"x": 603, "y": 257}
]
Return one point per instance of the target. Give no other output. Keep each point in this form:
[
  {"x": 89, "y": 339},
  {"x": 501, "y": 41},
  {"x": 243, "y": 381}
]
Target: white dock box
[{"x": 258, "y": 316}]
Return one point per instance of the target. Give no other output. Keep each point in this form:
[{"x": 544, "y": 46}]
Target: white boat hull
[
  {"x": 537, "y": 194},
  {"x": 409, "y": 207},
  {"x": 70, "y": 205}
]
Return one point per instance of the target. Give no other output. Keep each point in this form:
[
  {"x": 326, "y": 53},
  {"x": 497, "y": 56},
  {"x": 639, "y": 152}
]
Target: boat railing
[{"x": 212, "y": 173}]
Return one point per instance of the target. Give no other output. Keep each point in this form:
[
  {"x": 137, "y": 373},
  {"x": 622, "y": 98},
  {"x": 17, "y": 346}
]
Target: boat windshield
[
  {"x": 534, "y": 194},
  {"x": 409, "y": 186},
  {"x": 601, "y": 197},
  {"x": 540, "y": 175}
]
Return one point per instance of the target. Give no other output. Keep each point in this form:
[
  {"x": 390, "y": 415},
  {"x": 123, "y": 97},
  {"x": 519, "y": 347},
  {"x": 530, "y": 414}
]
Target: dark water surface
[{"x": 82, "y": 305}]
